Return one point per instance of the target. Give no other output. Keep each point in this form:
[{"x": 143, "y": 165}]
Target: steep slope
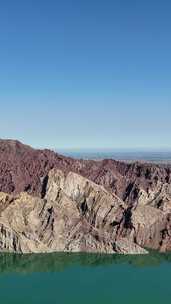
[
  {"x": 144, "y": 189},
  {"x": 142, "y": 224},
  {"x": 75, "y": 215},
  {"x": 23, "y": 168}
]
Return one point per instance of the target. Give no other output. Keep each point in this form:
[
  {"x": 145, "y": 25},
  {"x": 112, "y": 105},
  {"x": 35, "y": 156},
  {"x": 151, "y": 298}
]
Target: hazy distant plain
[{"x": 144, "y": 156}]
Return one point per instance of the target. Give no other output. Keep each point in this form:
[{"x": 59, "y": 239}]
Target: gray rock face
[{"x": 75, "y": 215}]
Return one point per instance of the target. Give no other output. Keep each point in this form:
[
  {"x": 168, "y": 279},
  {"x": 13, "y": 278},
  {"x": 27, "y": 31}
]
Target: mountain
[
  {"x": 49, "y": 202},
  {"x": 75, "y": 215}
]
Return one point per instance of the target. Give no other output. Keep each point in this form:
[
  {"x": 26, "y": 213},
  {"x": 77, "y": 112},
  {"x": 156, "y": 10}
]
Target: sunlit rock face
[
  {"x": 49, "y": 202},
  {"x": 75, "y": 215}
]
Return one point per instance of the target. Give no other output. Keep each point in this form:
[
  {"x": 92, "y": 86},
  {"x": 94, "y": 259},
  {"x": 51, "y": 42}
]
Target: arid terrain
[{"x": 49, "y": 202}]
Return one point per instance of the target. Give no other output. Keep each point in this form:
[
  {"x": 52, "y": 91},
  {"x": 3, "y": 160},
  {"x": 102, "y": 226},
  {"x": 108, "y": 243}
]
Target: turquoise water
[{"x": 85, "y": 278}]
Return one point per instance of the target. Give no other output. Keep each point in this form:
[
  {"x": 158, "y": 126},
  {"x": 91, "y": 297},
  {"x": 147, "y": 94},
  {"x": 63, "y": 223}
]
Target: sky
[{"x": 86, "y": 74}]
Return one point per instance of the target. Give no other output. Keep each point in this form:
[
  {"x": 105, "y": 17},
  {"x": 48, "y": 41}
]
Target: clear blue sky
[{"x": 86, "y": 74}]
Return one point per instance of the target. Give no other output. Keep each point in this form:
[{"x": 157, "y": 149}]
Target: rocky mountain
[
  {"x": 49, "y": 202},
  {"x": 75, "y": 215}
]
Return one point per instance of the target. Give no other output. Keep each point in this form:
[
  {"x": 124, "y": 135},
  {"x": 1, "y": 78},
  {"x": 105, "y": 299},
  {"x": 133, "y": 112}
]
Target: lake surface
[{"x": 85, "y": 278}]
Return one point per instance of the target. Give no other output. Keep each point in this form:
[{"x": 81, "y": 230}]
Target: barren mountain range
[{"x": 49, "y": 202}]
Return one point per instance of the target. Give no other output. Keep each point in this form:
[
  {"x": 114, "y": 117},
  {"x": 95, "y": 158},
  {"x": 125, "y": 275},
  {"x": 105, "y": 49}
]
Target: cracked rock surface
[
  {"x": 49, "y": 202},
  {"x": 75, "y": 215}
]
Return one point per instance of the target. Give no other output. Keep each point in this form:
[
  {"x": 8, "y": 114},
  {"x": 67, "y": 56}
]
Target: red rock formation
[{"x": 23, "y": 168}]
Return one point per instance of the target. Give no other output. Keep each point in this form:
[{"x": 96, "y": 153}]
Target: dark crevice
[
  {"x": 44, "y": 186},
  {"x": 128, "y": 191},
  {"x": 84, "y": 207},
  {"x": 114, "y": 223},
  {"x": 27, "y": 188},
  {"x": 160, "y": 202},
  {"x": 127, "y": 219}
]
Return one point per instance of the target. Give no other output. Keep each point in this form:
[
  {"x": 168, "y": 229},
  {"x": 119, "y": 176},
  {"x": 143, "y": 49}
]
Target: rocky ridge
[
  {"x": 49, "y": 202},
  {"x": 75, "y": 215}
]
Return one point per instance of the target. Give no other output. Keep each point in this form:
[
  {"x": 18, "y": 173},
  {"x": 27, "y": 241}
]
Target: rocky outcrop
[
  {"x": 49, "y": 202},
  {"x": 143, "y": 223},
  {"x": 23, "y": 168},
  {"x": 75, "y": 215}
]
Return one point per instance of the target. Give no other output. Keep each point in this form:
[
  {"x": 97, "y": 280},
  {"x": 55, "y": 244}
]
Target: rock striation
[
  {"x": 75, "y": 215},
  {"x": 51, "y": 203}
]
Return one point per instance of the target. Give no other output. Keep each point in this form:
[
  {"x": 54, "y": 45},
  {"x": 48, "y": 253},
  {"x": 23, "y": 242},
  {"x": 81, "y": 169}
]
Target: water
[
  {"x": 147, "y": 156},
  {"x": 85, "y": 279}
]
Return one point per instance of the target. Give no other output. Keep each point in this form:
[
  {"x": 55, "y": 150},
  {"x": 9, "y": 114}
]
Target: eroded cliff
[{"x": 49, "y": 202}]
